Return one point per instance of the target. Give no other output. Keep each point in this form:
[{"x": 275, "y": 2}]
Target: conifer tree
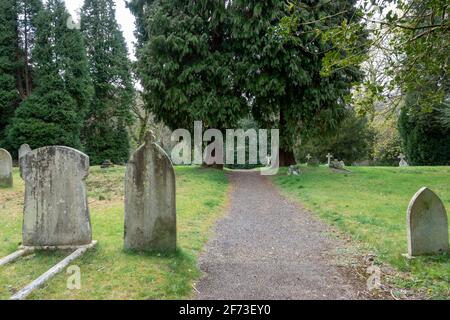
[
  {"x": 17, "y": 29},
  {"x": 105, "y": 134},
  {"x": 54, "y": 112},
  {"x": 185, "y": 64},
  {"x": 280, "y": 71},
  {"x": 9, "y": 97}
]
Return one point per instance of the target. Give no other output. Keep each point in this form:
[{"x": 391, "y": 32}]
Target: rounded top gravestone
[
  {"x": 6, "y": 178},
  {"x": 427, "y": 224}
]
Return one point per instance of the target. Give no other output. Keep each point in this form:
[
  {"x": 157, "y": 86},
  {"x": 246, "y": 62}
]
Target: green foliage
[
  {"x": 185, "y": 66},
  {"x": 350, "y": 141},
  {"x": 9, "y": 97},
  {"x": 105, "y": 134},
  {"x": 279, "y": 66},
  {"x": 17, "y": 28},
  {"x": 216, "y": 61},
  {"x": 387, "y": 144},
  {"x": 425, "y": 140},
  {"x": 54, "y": 112},
  {"x": 411, "y": 40}
]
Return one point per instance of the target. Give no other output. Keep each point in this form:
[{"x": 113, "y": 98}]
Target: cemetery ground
[
  {"x": 109, "y": 272},
  {"x": 370, "y": 205}
]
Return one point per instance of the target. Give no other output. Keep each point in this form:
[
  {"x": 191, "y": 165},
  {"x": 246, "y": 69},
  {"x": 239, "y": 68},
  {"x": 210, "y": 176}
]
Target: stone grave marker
[
  {"x": 427, "y": 224},
  {"x": 402, "y": 162},
  {"x": 150, "y": 207},
  {"x": 56, "y": 209},
  {"x": 6, "y": 178}
]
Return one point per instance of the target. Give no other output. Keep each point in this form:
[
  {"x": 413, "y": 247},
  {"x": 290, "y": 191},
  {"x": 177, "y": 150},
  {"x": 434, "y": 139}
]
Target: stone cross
[
  {"x": 427, "y": 225},
  {"x": 56, "y": 210},
  {"x": 329, "y": 157},
  {"x": 6, "y": 178},
  {"x": 308, "y": 157},
  {"x": 150, "y": 207}
]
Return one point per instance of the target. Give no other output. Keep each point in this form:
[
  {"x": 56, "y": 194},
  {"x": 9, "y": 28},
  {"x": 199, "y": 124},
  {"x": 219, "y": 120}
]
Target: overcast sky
[{"x": 123, "y": 15}]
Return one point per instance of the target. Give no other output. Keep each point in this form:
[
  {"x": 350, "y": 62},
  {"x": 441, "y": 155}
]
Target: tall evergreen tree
[
  {"x": 186, "y": 65},
  {"x": 26, "y": 15},
  {"x": 17, "y": 28},
  {"x": 105, "y": 134},
  {"x": 279, "y": 71},
  {"x": 9, "y": 97},
  {"x": 55, "y": 110}
]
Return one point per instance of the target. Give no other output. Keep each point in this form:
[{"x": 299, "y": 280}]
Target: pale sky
[{"x": 123, "y": 16}]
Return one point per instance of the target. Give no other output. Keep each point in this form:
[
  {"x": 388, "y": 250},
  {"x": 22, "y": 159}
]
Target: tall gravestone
[
  {"x": 6, "y": 178},
  {"x": 150, "y": 207},
  {"x": 56, "y": 210},
  {"x": 427, "y": 224},
  {"x": 23, "y": 150}
]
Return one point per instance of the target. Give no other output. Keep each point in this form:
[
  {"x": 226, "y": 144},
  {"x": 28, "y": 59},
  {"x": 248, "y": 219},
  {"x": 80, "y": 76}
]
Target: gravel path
[{"x": 268, "y": 248}]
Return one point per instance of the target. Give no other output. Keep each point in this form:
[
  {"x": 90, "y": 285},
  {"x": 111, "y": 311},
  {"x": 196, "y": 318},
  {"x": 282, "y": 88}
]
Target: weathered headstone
[
  {"x": 150, "y": 207},
  {"x": 336, "y": 164},
  {"x": 6, "y": 178},
  {"x": 402, "y": 162},
  {"x": 293, "y": 170},
  {"x": 427, "y": 224},
  {"x": 56, "y": 210}
]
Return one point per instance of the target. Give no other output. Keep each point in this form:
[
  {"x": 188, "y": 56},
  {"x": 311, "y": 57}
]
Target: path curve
[{"x": 268, "y": 248}]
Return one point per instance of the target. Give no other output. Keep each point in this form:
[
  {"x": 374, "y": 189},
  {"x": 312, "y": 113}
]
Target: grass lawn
[
  {"x": 370, "y": 204},
  {"x": 108, "y": 272}
]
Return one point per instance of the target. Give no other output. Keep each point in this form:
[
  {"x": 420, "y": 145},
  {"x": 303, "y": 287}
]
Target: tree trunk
[
  {"x": 286, "y": 153},
  {"x": 286, "y": 158}
]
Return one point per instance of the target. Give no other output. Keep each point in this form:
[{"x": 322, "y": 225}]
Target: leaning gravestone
[
  {"x": 150, "y": 208},
  {"x": 6, "y": 178},
  {"x": 427, "y": 225},
  {"x": 56, "y": 210}
]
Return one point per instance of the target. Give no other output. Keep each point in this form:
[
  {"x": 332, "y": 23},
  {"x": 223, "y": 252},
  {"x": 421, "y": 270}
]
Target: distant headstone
[
  {"x": 308, "y": 157},
  {"x": 150, "y": 207},
  {"x": 402, "y": 162},
  {"x": 336, "y": 164},
  {"x": 107, "y": 164},
  {"x": 313, "y": 162},
  {"x": 56, "y": 210},
  {"x": 23, "y": 150},
  {"x": 293, "y": 171},
  {"x": 6, "y": 178},
  {"x": 427, "y": 224}
]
